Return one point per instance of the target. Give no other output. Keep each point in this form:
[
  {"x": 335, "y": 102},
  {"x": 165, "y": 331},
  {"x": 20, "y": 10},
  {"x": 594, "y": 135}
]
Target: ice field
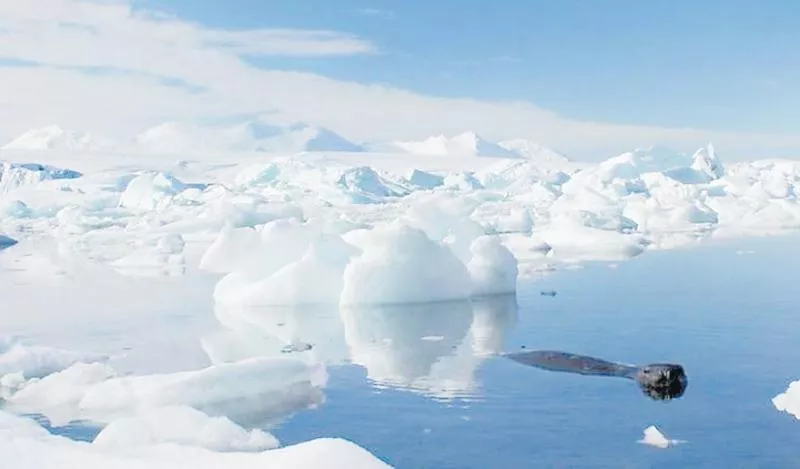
[{"x": 408, "y": 243}]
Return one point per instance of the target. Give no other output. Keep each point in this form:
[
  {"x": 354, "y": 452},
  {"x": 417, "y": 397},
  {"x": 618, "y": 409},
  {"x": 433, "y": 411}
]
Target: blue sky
[
  {"x": 712, "y": 64},
  {"x": 590, "y": 78}
]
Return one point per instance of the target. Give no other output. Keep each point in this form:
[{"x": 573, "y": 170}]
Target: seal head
[{"x": 661, "y": 381}]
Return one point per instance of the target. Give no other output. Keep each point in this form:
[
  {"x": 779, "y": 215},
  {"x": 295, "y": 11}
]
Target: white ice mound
[
  {"x": 27, "y": 444},
  {"x": 34, "y": 361},
  {"x": 55, "y": 138},
  {"x": 654, "y": 437},
  {"x": 250, "y": 391},
  {"x": 493, "y": 267},
  {"x": 465, "y": 144},
  {"x": 232, "y": 248},
  {"x": 428, "y": 256},
  {"x": 789, "y": 400},
  {"x": 56, "y": 396},
  {"x": 150, "y": 190},
  {"x": 291, "y": 263},
  {"x": 401, "y": 264},
  {"x": 183, "y": 426},
  {"x": 15, "y": 175},
  {"x": 366, "y": 185},
  {"x": 632, "y": 164}
]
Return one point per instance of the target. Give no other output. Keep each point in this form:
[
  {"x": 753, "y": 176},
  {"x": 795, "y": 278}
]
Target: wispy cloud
[
  {"x": 376, "y": 12},
  {"x": 506, "y": 59},
  {"x": 103, "y": 66}
]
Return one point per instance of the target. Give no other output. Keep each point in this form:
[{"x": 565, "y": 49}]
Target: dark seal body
[{"x": 660, "y": 381}]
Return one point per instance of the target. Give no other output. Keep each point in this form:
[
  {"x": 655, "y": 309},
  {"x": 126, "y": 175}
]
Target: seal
[{"x": 659, "y": 381}]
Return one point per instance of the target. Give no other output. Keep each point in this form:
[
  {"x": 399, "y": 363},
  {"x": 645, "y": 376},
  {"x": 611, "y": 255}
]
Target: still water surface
[
  {"x": 423, "y": 387},
  {"x": 728, "y": 312}
]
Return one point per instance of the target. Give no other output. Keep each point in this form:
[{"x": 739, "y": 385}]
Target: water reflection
[
  {"x": 272, "y": 331},
  {"x": 433, "y": 348}
]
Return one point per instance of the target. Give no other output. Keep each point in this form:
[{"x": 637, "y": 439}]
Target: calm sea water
[
  {"x": 423, "y": 387},
  {"x": 732, "y": 319}
]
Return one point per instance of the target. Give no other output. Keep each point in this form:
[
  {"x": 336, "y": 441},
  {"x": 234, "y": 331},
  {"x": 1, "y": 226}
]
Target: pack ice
[{"x": 416, "y": 246}]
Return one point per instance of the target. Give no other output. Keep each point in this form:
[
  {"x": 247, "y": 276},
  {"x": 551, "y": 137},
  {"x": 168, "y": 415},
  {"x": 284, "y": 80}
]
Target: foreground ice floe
[
  {"x": 182, "y": 425},
  {"x": 789, "y": 400},
  {"x": 158, "y": 420},
  {"x": 23, "y": 443}
]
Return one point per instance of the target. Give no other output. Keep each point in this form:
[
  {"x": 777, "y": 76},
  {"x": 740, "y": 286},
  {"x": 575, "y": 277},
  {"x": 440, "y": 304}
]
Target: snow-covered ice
[
  {"x": 789, "y": 400},
  {"x": 182, "y": 425},
  {"x": 35, "y": 361},
  {"x": 654, "y": 437},
  {"x": 23, "y": 441},
  {"x": 250, "y": 391},
  {"x": 313, "y": 252}
]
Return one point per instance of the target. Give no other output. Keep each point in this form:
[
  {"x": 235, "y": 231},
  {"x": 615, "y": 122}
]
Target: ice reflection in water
[{"x": 433, "y": 349}]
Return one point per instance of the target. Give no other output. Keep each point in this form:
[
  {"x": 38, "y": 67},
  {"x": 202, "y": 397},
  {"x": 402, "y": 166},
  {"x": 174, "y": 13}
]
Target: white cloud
[
  {"x": 79, "y": 40},
  {"x": 377, "y": 12}
]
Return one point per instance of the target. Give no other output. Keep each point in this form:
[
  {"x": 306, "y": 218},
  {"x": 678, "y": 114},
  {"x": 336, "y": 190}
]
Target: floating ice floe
[
  {"x": 654, "y": 437},
  {"x": 34, "y": 361},
  {"x": 185, "y": 426},
  {"x": 26, "y": 443},
  {"x": 789, "y": 400}
]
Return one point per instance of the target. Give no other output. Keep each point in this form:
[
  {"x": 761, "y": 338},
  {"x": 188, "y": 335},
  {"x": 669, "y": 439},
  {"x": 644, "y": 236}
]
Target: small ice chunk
[
  {"x": 654, "y": 437},
  {"x": 184, "y": 426},
  {"x": 789, "y": 400},
  {"x": 14, "y": 209},
  {"x": 149, "y": 190},
  {"x": 425, "y": 179},
  {"x": 172, "y": 243},
  {"x": 433, "y": 338}
]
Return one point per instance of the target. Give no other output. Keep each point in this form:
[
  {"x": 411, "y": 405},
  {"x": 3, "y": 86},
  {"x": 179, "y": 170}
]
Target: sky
[{"x": 589, "y": 78}]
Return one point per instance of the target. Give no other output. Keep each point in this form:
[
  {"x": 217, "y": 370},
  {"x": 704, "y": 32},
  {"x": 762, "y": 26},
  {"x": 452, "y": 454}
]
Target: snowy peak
[
  {"x": 465, "y": 144},
  {"x": 54, "y": 137},
  {"x": 173, "y": 137},
  {"x": 534, "y": 152}
]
